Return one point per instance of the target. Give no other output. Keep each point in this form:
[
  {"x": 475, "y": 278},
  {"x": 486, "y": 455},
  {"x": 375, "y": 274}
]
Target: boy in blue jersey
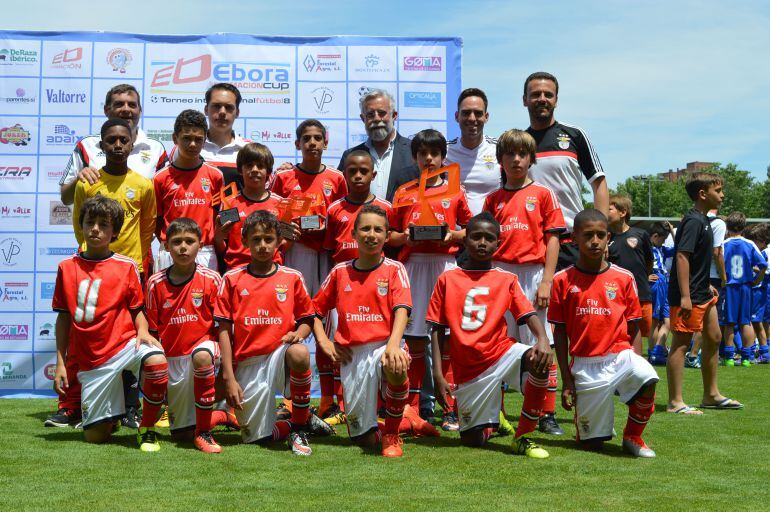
[
  {"x": 657, "y": 353},
  {"x": 741, "y": 259},
  {"x": 759, "y": 234}
]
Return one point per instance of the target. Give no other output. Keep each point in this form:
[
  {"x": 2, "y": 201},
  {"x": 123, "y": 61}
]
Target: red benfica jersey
[
  {"x": 192, "y": 193},
  {"x": 182, "y": 314},
  {"x": 366, "y": 300},
  {"x": 327, "y": 185},
  {"x": 472, "y": 303},
  {"x": 238, "y": 254},
  {"x": 339, "y": 227},
  {"x": 262, "y": 308},
  {"x": 525, "y": 216},
  {"x": 453, "y": 210},
  {"x": 595, "y": 308},
  {"x": 99, "y": 295}
]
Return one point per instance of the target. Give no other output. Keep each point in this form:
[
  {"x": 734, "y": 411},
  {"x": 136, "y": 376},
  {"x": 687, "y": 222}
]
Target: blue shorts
[
  {"x": 717, "y": 284},
  {"x": 767, "y": 309},
  {"x": 737, "y": 306},
  {"x": 660, "y": 298},
  {"x": 758, "y": 304}
]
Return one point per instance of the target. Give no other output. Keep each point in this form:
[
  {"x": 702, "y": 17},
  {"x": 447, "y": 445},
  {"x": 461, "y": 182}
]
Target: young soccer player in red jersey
[
  {"x": 342, "y": 246},
  {"x": 595, "y": 310},
  {"x": 425, "y": 261},
  {"x": 530, "y": 222},
  {"x": 255, "y": 165},
  {"x": 324, "y": 185},
  {"x": 188, "y": 187},
  {"x": 371, "y": 294},
  {"x": 101, "y": 324},
  {"x": 264, "y": 314},
  {"x": 180, "y": 310},
  {"x": 471, "y": 302}
]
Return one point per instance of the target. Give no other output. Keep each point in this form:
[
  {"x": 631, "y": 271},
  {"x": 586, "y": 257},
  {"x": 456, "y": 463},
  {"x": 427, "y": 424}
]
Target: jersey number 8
[{"x": 736, "y": 267}]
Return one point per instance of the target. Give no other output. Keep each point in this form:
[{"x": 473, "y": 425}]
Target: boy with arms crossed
[{"x": 595, "y": 308}]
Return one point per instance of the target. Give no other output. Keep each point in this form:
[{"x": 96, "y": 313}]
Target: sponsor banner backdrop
[{"x": 52, "y": 94}]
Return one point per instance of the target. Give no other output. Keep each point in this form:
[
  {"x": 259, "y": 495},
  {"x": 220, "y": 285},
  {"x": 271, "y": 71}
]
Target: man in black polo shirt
[{"x": 565, "y": 157}]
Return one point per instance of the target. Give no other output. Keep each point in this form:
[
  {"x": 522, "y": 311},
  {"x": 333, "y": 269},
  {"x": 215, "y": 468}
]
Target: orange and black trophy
[
  {"x": 428, "y": 228},
  {"x": 227, "y": 213},
  {"x": 298, "y": 206}
]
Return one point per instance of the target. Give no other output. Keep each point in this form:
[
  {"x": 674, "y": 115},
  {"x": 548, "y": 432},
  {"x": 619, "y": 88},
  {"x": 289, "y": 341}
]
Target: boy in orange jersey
[
  {"x": 371, "y": 295},
  {"x": 188, "y": 187},
  {"x": 471, "y": 302},
  {"x": 180, "y": 310},
  {"x": 595, "y": 309},
  {"x": 255, "y": 165},
  {"x": 530, "y": 222},
  {"x": 264, "y": 314},
  {"x": 425, "y": 261},
  {"x": 102, "y": 326}
]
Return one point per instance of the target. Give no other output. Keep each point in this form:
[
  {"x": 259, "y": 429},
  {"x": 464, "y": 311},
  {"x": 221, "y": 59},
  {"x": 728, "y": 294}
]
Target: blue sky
[{"x": 655, "y": 84}]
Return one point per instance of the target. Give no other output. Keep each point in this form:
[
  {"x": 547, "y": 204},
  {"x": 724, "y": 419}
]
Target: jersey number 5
[
  {"x": 474, "y": 314},
  {"x": 88, "y": 293}
]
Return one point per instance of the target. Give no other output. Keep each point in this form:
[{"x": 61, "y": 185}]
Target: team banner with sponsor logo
[{"x": 52, "y": 93}]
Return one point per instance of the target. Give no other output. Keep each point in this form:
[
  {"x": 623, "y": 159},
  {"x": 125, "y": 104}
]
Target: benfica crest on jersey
[
  {"x": 446, "y": 203},
  {"x": 490, "y": 161},
  {"x": 280, "y": 292},
  {"x": 530, "y": 203},
  {"x": 145, "y": 155},
  {"x": 382, "y": 287},
  {"x": 611, "y": 290},
  {"x": 197, "y": 299},
  {"x": 632, "y": 242},
  {"x": 130, "y": 193},
  {"x": 205, "y": 184},
  {"x": 564, "y": 140},
  {"x": 327, "y": 188}
]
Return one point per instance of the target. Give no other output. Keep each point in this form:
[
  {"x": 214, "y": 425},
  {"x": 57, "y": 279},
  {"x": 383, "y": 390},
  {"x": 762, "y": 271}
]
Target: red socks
[
  {"x": 203, "y": 389},
  {"x": 639, "y": 412},
  {"x": 416, "y": 374},
  {"x": 534, "y": 397},
  {"x": 299, "y": 385},
  {"x": 549, "y": 407},
  {"x": 71, "y": 399},
  {"x": 446, "y": 371},
  {"x": 395, "y": 400},
  {"x": 325, "y": 379},
  {"x": 154, "y": 391},
  {"x": 281, "y": 430}
]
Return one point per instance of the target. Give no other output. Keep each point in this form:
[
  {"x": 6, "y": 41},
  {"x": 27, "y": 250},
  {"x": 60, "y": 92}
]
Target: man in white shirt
[{"x": 222, "y": 144}]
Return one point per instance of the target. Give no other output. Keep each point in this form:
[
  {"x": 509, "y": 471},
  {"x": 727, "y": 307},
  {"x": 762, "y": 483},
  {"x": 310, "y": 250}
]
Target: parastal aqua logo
[
  {"x": 422, "y": 99},
  {"x": 413, "y": 63},
  {"x": 322, "y": 62}
]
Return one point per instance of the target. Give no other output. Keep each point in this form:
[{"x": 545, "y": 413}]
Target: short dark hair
[
  {"x": 224, "y": 86},
  {"x": 588, "y": 215},
  {"x": 264, "y": 218},
  {"x": 431, "y": 139},
  {"x": 358, "y": 153},
  {"x": 478, "y": 219},
  {"x": 255, "y": 153},
  {"x": 472, "y": 91},
  {"x": 183, "y": 225},
  {"x": 190, "y": 119},
  {"x": 698, "y": 181},
  {"x": 658, "y": 228},
  {"x": 541, "y": 75},
  {"x": 307, "y": 123},
  {"x": 371, "y": 208},
  {"x": 103, "y": 206},
  {"x": 114, "y": 121},
  {"x": 736, "y": 222},
  {"x": 120, "y": 89}
]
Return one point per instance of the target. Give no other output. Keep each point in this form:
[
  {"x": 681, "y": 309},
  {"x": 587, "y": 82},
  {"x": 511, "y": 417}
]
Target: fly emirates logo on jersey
[
  {"x": 264, "y": 317},
  {"x": 595, "y": 306},
  {"x": 514, "y": 224},
  {"x": 189, "y": 199},
  {"x": 363, "y": 315},
  {"x": 181, "y": 316}
]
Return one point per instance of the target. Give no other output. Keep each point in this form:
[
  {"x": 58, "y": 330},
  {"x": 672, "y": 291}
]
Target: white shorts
[
  {"x": 362, "y": 381},
  {"x": 181, "y": 393},
  {"x": 529, "y": 276},
  {"x": 423, "y": 271},
  {"x": 207, "y": 256},
  {"x": 261, "y": 378},
  {"x": 102, "y": 396},
  {"x": 479, "y": 399},
  {"x": 597, "y": 379},
  {"x": 313, "y": 265}
]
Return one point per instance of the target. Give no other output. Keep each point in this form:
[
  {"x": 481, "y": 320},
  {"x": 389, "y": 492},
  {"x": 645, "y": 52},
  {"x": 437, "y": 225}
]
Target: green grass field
[{"x": 720, "y": 460}]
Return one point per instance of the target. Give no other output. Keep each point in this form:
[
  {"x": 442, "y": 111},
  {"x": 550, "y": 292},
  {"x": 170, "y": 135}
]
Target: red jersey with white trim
[
  {"x": 99, "y": 295},
  {"x": 366, "y": 300},
  {"x": 324, "y": 187},
  {"x": 339, "y": 227},
  {"x": 182, "y": 314},
  {"x": 595, "y": 309},
  {"x": 192, "y": 193},
  {"x": 452, "y": 210},
  {"x": 472, "y": 303},
  {"x": 262, "y": 308},
  {"x": 236, "y": 253},
  {"x": 525, "y": 216}
]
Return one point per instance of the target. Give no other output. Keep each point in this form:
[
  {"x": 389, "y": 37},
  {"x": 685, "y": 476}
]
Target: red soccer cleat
[
  {"x": 391, "y": 446},
  {"x": 204, "y": 441},
  {"x": 420, "y": 427}
]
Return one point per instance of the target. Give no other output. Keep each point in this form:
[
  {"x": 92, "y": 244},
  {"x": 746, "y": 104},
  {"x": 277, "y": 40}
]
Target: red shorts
[
  {"x": 645, "y": 324},
  {"x": 695, "y": 322}
]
